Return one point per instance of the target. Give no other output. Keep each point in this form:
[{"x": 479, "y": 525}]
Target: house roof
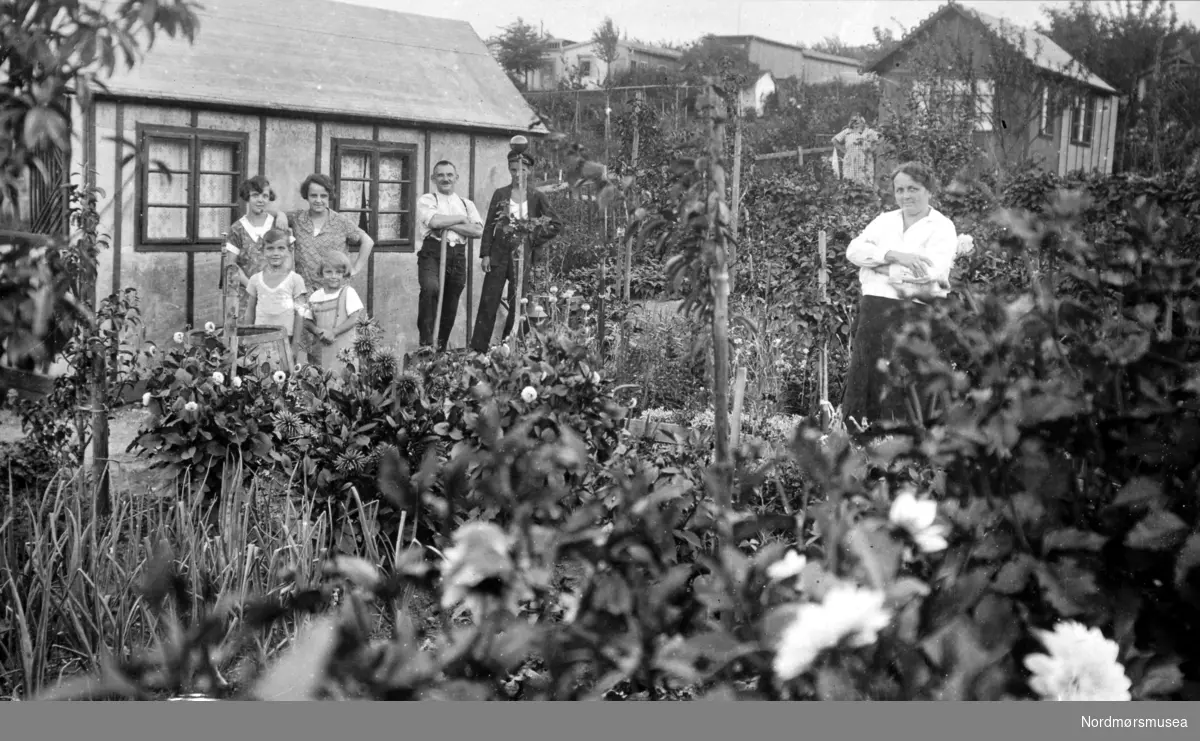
[
  {"x": 660, "y": 51},
  {"x": 336, "y": 59},
  {"x": 848, "y": 61},
  {"x": 1038, "y": 48}
]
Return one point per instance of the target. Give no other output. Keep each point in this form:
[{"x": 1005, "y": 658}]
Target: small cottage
[
  {"x": 370, "y": 97},
  {"x": 1078, "y": 134}
]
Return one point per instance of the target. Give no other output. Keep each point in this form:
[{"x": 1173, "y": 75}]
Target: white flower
[
  {"x": 917, "y": 517},
  {"x": 279, "y": 376},
  {"x": 596, "y": 377},
  {"x": 553, "y": 299},
  {"x": 218, "y": 377},
  {"x": 568, "y": 293},
  {"x": 191, "y": 406},
  {"x": 505, "y": 350},
  {"x": 1079, "y": 664},
  {"x": 237, "y": 382},
  {"x": 524, "y": 300},
  {"x": 210, "y": 327},
  {"x": 788, "y": 567},
  {"x": 146, "y": 399},
  {"x": 553, "y": 289},
  {"x": 633, "y": 404},
  {"x": 966, "y": 244},
  {"x": 586, "y": 307},
  {"x": 848, "y": 613},
  {"x": 529, "y": 394},
  {"x": 179, "y": 337}
]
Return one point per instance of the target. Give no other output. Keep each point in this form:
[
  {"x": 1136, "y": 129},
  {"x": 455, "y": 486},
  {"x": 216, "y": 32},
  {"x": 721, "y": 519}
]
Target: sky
[{"x": 802, "y": 22}]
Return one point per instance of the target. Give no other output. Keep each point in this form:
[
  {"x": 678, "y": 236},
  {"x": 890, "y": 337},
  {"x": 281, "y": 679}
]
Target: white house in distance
[
  {"x": 582, "y": 61},
  {"x": 754, "y": 96},
  {"x": 286, "y": 88}
]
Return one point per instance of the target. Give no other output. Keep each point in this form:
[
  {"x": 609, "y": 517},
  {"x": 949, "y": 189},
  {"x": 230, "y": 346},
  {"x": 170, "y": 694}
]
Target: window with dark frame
[
  {"x": 375, "y": 190},
  {"x": 1083, "y": 114},
  {"x": 187, "y": 187}
]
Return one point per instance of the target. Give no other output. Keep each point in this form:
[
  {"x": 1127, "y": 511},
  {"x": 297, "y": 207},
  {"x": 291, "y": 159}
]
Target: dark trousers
[
  {"x": 503, "y": 271},
  {"x": 428, "y": 263}
]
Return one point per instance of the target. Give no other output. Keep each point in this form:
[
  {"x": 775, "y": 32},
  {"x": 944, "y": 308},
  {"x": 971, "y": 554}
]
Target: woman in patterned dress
[
  {"x": 857, "y": 143},
  {"x": 245, "y": 238},
  {"x": 318, "y": 230}
]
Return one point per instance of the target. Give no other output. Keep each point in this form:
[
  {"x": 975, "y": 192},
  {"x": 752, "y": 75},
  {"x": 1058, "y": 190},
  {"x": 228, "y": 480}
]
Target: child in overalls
[{"x": 335, "y": 310}]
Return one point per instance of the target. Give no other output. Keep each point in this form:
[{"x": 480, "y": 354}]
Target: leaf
[
  {"x": 1070, "y": 590},
  {"x": 957, "y": 651},
  {"x": 300, "y": 671},
  {"x": 1187, "y": 578},
  {"x": 1072, "y": 539},
  {"x": 1158, "y": 531},
  {"x": 1013, "y": 575},
  {"x": 1164, "y": 678},
  {"x": 1139, "y": 492},
  {"x": 836, "y": 684}
]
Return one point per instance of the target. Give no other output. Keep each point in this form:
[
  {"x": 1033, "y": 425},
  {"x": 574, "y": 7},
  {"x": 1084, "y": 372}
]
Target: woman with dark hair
[
  {"x": 904, "y": 258},
  {"x": 244, "y": 241},
  {"x": 319, "y": 230}
]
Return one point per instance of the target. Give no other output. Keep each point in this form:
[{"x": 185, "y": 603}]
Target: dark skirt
[{"x": 877, "y": 327}]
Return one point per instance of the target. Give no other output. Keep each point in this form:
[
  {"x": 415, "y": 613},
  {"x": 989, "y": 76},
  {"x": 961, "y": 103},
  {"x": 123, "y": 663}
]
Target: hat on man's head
[{"x": 526, "y": 157}]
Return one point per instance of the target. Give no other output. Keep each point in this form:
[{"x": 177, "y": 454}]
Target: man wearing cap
[
  {"x": 443, "y": 212},
  {"x": 497, "y": 250}
]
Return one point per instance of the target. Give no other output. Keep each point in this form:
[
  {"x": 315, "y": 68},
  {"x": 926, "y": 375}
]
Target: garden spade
[
  {"x": 519, "y": 144},
  {"x": 437, "y": 318},
  {"x": 229, "y": 313}
]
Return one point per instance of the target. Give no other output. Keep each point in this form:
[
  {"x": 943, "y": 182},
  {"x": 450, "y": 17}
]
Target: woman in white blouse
[{"x": 904, "y": 258}]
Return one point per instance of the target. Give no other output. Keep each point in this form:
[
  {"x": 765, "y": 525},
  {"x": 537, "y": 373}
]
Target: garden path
[{"x": 129, "y": 473}]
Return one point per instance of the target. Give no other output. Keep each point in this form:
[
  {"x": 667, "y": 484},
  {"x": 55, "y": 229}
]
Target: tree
[
  {"x": 521, "y": 50},
  {"x": 53, "y": 52},
  {"x": 1120, "y": 42},
  {"x": 727, "y": 63},
  {"x": 607, "y": 40},
  {"x": 834, "y": 45}
]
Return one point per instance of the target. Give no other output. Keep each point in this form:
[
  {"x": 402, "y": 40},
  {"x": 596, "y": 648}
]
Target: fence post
[{"x": 823, "y": 288}]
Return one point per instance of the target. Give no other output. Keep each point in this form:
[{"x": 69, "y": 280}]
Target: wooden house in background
[
  {"x": 806, "y": 66},
  {"x": 287, "y": 88},
  {"x": 1079, "y": 136}
]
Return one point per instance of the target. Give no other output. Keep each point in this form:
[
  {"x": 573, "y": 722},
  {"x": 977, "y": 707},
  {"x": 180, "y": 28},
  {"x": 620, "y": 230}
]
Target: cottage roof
[
  {"x": 336, "y": 59},
  {"x": 1038, "y": 48},
  {"x": 659, "y": 51}
]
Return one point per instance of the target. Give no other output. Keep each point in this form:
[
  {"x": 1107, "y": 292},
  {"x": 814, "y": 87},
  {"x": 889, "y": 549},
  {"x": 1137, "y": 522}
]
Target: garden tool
[
  {"x": 437, "y": 317},
  {"x": 519, "y": 144},
  {"x": 229, "y": 314}
]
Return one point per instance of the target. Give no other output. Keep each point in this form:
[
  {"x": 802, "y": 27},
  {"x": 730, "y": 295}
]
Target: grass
[{"x": 70, "y": 580}]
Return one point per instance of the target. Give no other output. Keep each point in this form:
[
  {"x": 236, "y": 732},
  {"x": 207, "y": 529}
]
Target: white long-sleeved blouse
[{"x": 933, "y": 237}]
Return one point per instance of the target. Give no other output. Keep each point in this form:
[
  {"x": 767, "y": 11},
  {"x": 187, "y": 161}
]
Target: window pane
[
  {"x": 218, "y": 156},
  {"x": 394, "y": 226},
  {"x": 393, "y": 197},
  {"x": 353, "y": 195},
  {"x": 164, "y": 188},
  {"x": 171, "y": 152},
  {"x": 393, "y": 167},
  {"x": 166, "y": 223},
  {"x": 218, "y": 189},
  {"x": 214, "y": 222},
  {"x": 355, "y": 165}
]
